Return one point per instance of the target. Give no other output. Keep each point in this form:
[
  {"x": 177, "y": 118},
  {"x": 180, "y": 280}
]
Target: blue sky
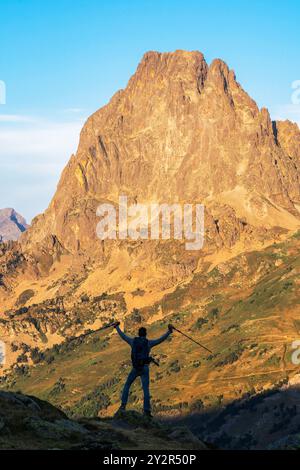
[{"x": 63, "y": 59}]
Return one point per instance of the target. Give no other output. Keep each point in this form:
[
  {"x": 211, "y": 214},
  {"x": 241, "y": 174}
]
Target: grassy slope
[{"x": 244, "y": 310}]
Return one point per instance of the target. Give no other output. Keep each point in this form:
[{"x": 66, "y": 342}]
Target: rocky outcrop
[
  {"x": 12, "y": 225},
  {"x": 182, "y": 130},
  {"x": 29, "y": 423}
]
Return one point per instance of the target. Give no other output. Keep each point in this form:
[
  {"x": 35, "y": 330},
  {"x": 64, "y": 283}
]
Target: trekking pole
[
  {"x": 110, "y": 325},
  {"x": 191, "y": 339}
]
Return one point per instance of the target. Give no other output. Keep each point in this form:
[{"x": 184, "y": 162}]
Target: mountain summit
[
  {"x": 12, "y": 224},
  {"x": 182, "y": 131}
]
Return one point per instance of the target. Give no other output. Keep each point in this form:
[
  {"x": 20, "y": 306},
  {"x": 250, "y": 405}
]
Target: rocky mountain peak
[
  {"x": 173, "y": 65},
  {"x": 12, "y": 224},
  {"x": 180, "y": 131}
]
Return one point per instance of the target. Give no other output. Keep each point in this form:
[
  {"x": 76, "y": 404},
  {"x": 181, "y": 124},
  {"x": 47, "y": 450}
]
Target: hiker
[{"x": 140, "y": 357}]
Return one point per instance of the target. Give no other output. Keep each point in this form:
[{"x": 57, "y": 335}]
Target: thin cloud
[
  {"x": 16, "y": 118},
  {"x": 44, "y": 140},
  {"x": 73, "y": 110},
  {"x": 32, "y": 157}
]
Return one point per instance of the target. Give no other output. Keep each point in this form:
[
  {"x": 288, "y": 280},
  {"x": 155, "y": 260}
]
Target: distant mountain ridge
[{"x": 12, "y": 224}]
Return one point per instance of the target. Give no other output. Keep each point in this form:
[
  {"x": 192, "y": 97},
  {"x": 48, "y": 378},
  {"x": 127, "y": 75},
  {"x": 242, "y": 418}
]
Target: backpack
[{"x": 140, "y": 352}]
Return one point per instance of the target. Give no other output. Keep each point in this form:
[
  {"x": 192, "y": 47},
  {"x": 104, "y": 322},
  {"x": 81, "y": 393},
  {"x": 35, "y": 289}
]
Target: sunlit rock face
[{"x": 182, "y": 130}]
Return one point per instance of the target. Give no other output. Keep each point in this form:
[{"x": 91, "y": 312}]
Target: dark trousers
[{"x": 144, "y": 374}]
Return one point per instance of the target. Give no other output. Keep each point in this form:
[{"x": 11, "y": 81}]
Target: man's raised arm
[
  {"x": 155, "y": 342},
  {"x": 122, "y": 334}
]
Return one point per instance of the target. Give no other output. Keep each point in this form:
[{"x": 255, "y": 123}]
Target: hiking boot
[{"x": 148, "y": 414}]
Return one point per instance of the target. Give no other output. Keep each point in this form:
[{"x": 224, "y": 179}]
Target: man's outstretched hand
[{"x": 170, "y": 328}]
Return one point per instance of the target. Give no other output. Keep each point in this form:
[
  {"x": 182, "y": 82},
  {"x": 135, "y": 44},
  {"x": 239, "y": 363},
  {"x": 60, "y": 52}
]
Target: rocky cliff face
[
  {"x": 12, "y": 225},
  {"x": 181, "y": 131}
]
